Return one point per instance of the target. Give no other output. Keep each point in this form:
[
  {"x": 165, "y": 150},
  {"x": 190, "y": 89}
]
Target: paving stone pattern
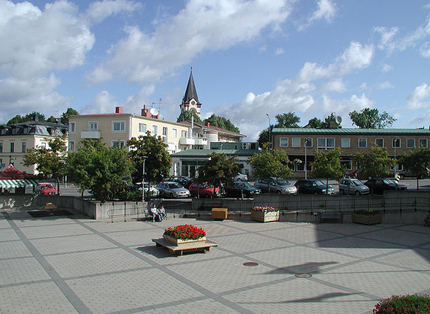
[{"x": 72, "y": 264}]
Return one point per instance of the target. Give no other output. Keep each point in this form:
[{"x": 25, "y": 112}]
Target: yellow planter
[
  {"x": 259, "y": 215},
  {"x": 179, "y": 242}
]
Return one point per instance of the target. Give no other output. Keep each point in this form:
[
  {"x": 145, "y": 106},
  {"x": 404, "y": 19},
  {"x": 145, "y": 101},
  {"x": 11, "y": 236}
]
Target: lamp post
[
  {"x": 143, "y": 179},
  {"x": 395, "y": 155},
  {"x": 270, "y": 138},
  {"x": 306, "y": 158}
]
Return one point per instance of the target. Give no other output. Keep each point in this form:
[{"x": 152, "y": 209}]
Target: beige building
[
  {"x": 301, "y": 143},
  {"x": 15, "y": 139}
]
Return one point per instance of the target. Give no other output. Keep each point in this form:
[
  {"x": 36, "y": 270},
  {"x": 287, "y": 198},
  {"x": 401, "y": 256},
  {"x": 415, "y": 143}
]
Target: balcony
[
  {"x": 90, "y": 134},
  {"x": 193, "y": 141}
]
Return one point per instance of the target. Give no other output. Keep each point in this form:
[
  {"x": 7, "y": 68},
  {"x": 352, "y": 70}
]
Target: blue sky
[{"x": 249, "y": 58}]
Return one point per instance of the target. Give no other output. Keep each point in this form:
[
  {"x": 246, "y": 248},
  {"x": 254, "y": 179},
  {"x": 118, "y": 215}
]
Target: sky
[{"x": 250, "y": 59}]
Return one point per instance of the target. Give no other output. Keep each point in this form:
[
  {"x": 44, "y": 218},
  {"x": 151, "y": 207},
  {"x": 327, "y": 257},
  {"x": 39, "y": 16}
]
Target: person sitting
[
  {"x": 154, "y": 213},
  {"x": 162, "y": 213}
]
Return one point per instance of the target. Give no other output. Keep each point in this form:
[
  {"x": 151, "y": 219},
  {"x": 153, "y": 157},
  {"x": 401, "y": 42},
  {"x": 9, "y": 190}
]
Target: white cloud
[
  {"x": 384, "y": 85},
  {"x": 103, "y": 102},
  {"x": 419, "y": 98},
  {"x": 100, "y": 10},
  {"x": 279, "y": 51},
  {"x": 335, "y": 85},
  {"x": 386, "y": 68},
  {"x": 201, "y": 26},
  {"x": 326, "y": 11}
]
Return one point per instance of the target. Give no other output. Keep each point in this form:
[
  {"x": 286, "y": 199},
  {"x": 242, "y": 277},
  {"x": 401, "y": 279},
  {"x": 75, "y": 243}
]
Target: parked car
[
  {"x": 313, "y": 186},
  {"x": 182, "y": 180},
  {"x": 276, "y": 185},
  {"x": 352, "y": 186},
  {"x": 241, "y": 177},
  {"x": 353, "y": 174},
  {"x": 173, "y": 190},
  {"x": 203, "y": 190},
  {"x": 152, "y": 189},
  {"x": 407, "y": 173},
  {"x": 239, "y": 189},
  {"x": 46, "y": 188},
  {"x": 379, "y": 185}
]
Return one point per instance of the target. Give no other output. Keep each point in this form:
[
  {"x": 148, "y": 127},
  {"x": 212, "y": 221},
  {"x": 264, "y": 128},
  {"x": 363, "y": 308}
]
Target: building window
[
  {"x": 295, "y": 142},
  {"x": 379, "y": 142},
  {"x": 1, "y": 147},
  {"x": 410, "y": 143},
  {"x": 72, "y": 127},
  {"x": 325, "y": 143},
  {"x": 283, "y": 142},
  {"x": 93, "y": 126},
  {"x": 24, "y": 147},
  {"x": 308, "y": 142},
  {"x": 345, "y": 142},
  {"x": 347, "y": 164},
  {"x": 424, "y": 142},
  {"x": 72, "y": 146},
  {"x": 12, "y": 147},
  {"x": 43, "y": 145},
  {"x": 118, "y": 126},
  {"x": 174, "y": 133},
  {"x": 118, "y": 144},
  {"x": 142, "y": 128},
  {"x": 154, "y": 130},
  {"x": 184, "y": 133},
  {"x": 397, "y": 143},
  {"x": 362, "y": 142}
]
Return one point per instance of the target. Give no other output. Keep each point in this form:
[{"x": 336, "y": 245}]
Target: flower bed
[
  {"x": 404, "y": 304},
  {"x": 265, "y": 213},
  {"x": 367, "y": 217},
  {"x": 183, "y": 234}
]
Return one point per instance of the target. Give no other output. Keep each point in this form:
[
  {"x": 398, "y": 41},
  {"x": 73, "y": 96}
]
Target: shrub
[{"x": 406, "y": 304}]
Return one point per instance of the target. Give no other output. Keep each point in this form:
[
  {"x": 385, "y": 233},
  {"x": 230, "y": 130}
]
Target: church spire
[{"x": 191, "y": 100}]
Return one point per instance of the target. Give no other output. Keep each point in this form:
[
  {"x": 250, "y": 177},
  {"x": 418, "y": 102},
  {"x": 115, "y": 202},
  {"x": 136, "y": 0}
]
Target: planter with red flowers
[
  {"x": 265, "y": 213},
  {"x": 185, "y": 234}
]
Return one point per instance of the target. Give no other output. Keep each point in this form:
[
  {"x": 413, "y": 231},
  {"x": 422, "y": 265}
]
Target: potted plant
[
  {"x": 265, "y": 213},
  {"x": 367, "y": 216},
  {"x": 184, "y": 234}
]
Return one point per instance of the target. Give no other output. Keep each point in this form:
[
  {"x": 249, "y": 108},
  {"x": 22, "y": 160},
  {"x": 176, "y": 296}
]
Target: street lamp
[
  {"x": 395, "y": 155},
  {"x": 306, "y": 140},
  {"x": 270, "y": 138},
  {"x": 143, "y": 179}
]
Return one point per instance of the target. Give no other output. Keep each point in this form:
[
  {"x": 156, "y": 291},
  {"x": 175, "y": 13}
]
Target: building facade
[
  {"x": 16, "y": 139},
  {"x": 301, "y": 143}
]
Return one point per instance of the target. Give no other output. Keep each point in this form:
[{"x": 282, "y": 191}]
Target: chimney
[
  {"x": 118, "y": 109},
  {"x": 207, "y": 124}
]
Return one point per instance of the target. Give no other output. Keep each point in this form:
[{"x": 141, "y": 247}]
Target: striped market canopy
[{"x": 7, "y": 184}]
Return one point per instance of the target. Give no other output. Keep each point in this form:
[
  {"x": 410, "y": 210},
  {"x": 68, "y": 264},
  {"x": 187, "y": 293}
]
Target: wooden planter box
[
  {"x": 219, "y": 213},
  {"x": 188, "y": 243},
  {"x": 367, "y": 219},
  {"x": 259, "y": 215}
]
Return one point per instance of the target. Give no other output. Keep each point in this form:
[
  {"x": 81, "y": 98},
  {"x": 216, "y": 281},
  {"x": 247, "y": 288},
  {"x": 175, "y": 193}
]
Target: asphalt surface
[{"x": 72, "y": 264}]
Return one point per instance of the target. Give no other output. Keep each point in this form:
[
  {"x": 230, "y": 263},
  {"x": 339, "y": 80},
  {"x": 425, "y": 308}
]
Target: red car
[
  {"x": 203, "y": 190},
  {"x": 46, "y": 189}
]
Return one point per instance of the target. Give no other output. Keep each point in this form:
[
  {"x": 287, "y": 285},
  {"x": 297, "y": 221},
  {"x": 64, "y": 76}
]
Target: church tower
[{"x": 190, "y": 100}]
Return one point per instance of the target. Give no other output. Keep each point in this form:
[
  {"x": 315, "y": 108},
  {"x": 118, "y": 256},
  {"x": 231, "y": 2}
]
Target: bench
[
  {"x": 330, "y": 217},
  {"x": 174, "y": 249}
]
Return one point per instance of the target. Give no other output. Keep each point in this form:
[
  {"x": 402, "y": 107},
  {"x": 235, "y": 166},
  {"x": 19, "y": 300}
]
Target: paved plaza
[{"x": 72, "y": 264}]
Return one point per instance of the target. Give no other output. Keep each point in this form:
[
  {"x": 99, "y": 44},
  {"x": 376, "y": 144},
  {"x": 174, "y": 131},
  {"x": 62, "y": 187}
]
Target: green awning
[{"x": 7, "y": 184}]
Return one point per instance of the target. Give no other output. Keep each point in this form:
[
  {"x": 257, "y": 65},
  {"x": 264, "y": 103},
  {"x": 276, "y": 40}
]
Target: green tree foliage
[
  {"x": 28, "y": 117},
  {"x": 371, "y": 119},
  {"x": 315, "y": 123},
  {"x": 327, "y": 165},
  {"x": 157, "y": 160},
  {"x": 287, "y": 120},
  {"x": 50, "y": 161},
  {"x": 374, "y": 164},
  {"x": 65, "y": 116},
  {"x": 99, "y": 169},
  {"x": 266, "y": 164},
  {"x": 263, "y": 137},
  {"x": 186, "y": 116},
  {"x": 218, "y": 170},
  {"x": 417, "y": 161},
  {"x": 222, "y": 123}
]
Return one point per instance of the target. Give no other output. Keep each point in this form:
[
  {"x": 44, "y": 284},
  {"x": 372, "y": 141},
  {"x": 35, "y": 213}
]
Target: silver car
[
  {"x": 276, "y": 185},
  {"x": 172, "y": 190},
  {"x": 352, "y": 186}
]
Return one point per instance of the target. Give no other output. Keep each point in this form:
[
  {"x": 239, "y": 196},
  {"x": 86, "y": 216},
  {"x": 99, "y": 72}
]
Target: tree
[
  {"x": 65, "y": 116},
  {"x": 371, "y": 119},
  {"x": 263, "y": 137},
  {"x": 287, "y": 120},
  {"x": 315, "y": 123},
  {"x": 50, "y": 161},
  {"x": 99, "y": 169},
  {"x": 29, "y": 117},
  {"x": 374, "y": 164},
  {"x": 218, "y": 170},
  {"x": 267, "y": 164},
  {"x": 222, "y": 123},
  {"x": 327, "y": 165},
  {"x": 417, "y": 161},
  {"x": 157, "y": 160},
  {"x": 186, "y": 116}
]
